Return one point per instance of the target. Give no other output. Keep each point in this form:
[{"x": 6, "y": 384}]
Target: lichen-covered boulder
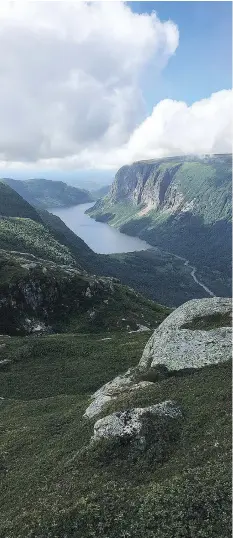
[
  {"x": 196, "y": 334},
  {"x": 129, "y": 423},
  {"x": 152, "y": 430}
]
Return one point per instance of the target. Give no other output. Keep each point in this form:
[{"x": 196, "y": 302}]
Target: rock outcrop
[
  {"x": 112, "y": 390},
  {"x": 196, "y": 334},
  {"x": 150, "y": 431},
  {"x": 39, "y": 296},
  {"x": 129, "y": 423}
]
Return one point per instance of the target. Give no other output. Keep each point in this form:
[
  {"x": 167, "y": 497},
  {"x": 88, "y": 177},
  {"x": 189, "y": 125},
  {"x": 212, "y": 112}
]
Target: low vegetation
[
  {"x": 28, "y": 236},
  {"x": 38, "y": 293},
  {"x": 55, "y": 485}
]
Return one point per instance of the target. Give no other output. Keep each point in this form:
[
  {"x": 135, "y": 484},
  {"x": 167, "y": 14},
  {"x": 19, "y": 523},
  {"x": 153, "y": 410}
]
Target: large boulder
[{"x": 194, "y": 335}]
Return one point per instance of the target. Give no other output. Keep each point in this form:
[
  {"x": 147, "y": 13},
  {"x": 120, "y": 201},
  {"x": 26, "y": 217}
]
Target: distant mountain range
[{"x": 46, "y": 193}]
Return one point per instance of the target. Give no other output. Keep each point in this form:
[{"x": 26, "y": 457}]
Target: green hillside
[
  {"x": 54, "y": 486},
  {"x": 155, "y": 273},
  {"x": 45, "y": 193},
  {"x": 28, "y": 236},
  {"x": 45, "y": 287},
  {"x": 64, "y": 332},
  {"x": 13, "y": 205}
]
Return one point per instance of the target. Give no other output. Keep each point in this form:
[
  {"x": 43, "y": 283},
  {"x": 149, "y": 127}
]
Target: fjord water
[{"x": 99, "y": 236}]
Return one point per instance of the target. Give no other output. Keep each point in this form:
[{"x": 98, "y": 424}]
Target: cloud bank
[{"x": 70, "y": 89}]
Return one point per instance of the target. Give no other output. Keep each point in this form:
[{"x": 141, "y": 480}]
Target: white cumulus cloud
[
  {"x": 174, "y": 128},
  {"x": 70, "y": 77}
]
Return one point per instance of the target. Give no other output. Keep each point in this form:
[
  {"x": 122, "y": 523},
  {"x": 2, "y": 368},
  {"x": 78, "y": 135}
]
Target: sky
[{"x": 109, "y": 83}]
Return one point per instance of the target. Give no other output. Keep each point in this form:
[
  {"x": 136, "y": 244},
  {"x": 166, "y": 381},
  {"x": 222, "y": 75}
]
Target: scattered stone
[
  {"x": 4, "y": 364},
  {"x": 92, "y": 313},
  {"x": 88, "y": 293},
  {"x": 129, "y": 423},
  {"x": 111, "y": 391},
  {"x": 151, "y": 431},
  {"x": 140, "y": 329}
]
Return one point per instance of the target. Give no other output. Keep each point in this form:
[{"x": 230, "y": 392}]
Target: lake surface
[{"x": 99, "y": 236}]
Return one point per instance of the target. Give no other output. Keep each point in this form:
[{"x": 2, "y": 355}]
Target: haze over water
[{"x": 99, "y": 236}]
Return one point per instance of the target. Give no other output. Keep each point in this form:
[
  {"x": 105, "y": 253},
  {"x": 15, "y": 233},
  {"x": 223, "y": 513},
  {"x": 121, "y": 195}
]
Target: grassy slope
[
  {"x": 155, "y": 274},
  {"x": 48, "y": 293},
  {"x": 26, "y": 235},
  {"x": 52, "y": 486},
  {"x": 13, "y": 205},
  {"x": 47, "y": 193}
]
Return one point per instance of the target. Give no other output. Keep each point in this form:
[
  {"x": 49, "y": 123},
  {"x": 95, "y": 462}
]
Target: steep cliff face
[
  {"x": 143, "y": 183},
  {"x": 181, "y": 204},
  {"x": 195, "y": 185}
]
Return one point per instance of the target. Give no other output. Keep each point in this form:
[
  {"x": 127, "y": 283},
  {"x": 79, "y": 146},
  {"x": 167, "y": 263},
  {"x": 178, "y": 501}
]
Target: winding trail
[{"x": 193, "y": 275}]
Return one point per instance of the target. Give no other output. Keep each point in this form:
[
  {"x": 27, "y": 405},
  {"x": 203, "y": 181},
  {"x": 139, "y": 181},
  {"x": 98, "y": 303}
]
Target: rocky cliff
[
  {"x": 177, "y": 185},
  {"x": 38, "y": 295},
  {"x": 181, "y": 204}
]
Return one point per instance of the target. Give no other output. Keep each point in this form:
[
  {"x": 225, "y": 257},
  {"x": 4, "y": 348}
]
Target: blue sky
[{"x": 202, "y": 62}]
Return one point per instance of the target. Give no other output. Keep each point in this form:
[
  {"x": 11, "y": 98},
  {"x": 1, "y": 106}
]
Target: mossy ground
[
  {"x": 209, "y": 322},
  {"x": 52, "y": 487}
]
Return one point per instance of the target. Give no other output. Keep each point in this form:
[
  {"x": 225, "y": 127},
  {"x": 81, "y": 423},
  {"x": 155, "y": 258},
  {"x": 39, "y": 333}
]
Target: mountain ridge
[
  {"x": 182, "y": 205},
  {"x": 46, "y": 193}
]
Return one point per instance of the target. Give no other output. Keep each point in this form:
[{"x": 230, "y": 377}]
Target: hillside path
[{"x": 193, "y": 275}]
